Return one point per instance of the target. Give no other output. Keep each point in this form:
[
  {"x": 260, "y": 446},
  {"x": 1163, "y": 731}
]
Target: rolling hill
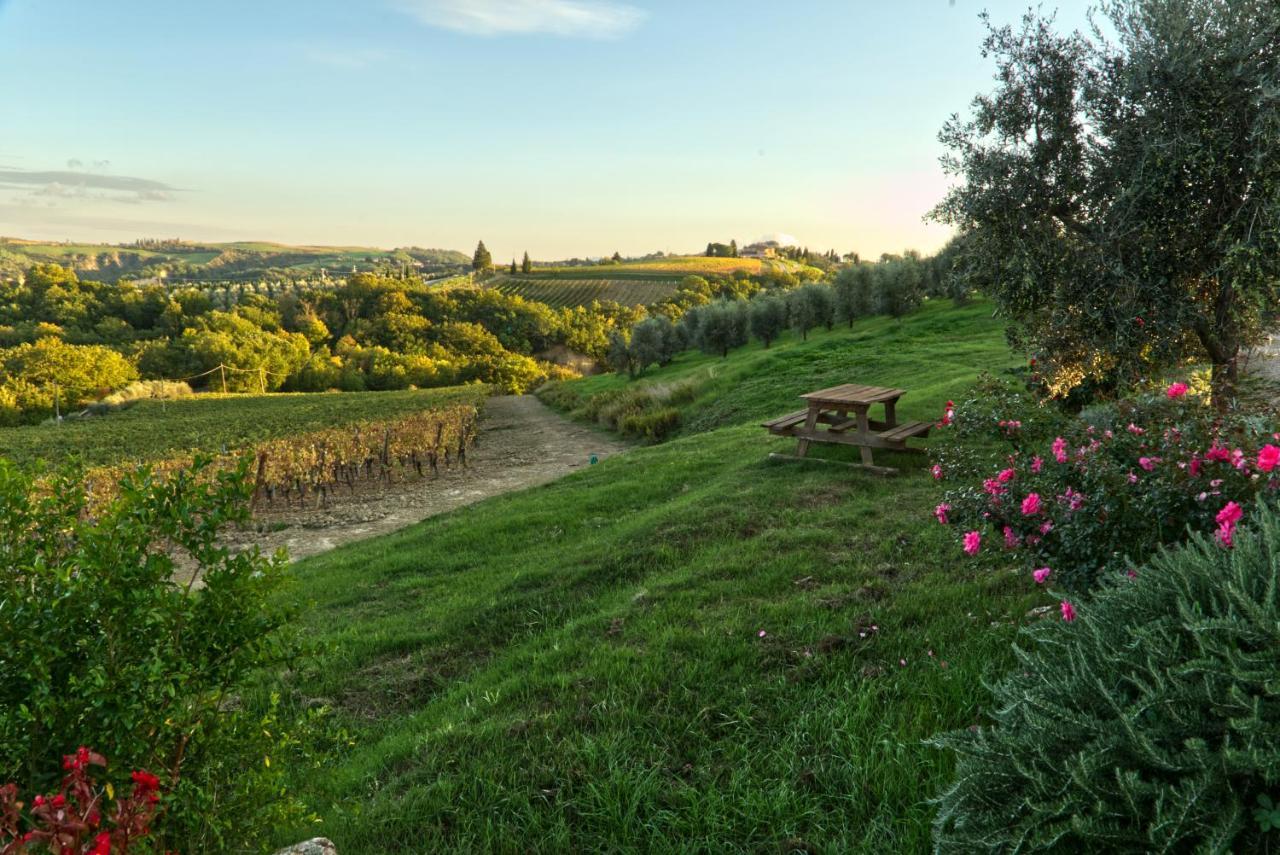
[{"x": 180, "y": 260}]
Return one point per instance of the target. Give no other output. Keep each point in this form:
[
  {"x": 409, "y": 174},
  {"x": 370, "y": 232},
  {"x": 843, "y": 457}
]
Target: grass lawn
[
  {"x": 155, "y": 430},
  {"x": 683, "y": 648}
]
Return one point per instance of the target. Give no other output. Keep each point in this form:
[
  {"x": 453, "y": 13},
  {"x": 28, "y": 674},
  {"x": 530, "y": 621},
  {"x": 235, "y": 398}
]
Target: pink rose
[
  {"x": 1176, "y": 390},
  {"x": 1031, "y": 505},
  {"x": 1226, "y": 519},
  {"x": 1041, "y": 574},
  {"x": 1268, "y": 457},
  {"x": 972, "y": 542},
  {"x": 1068, "y": 611},
  {"x": 941, "y": 512}
]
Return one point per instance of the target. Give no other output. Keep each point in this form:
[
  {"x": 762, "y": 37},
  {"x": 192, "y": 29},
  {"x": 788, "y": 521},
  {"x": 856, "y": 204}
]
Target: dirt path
[
  {"x": 1264, "y": 360},
  {"x": 521, "y": 443}
]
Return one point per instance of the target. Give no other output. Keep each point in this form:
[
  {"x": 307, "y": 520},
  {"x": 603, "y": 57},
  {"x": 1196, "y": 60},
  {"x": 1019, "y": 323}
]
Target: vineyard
[
  {"x": 154, "y": 431},
  {"x": 316, "y": 465},
  {"x": 675, "y": 267},
  {"x": 565, "y": 293}
]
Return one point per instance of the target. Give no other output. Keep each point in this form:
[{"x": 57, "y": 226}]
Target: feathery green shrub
[{"x": 1149, "y": 723}]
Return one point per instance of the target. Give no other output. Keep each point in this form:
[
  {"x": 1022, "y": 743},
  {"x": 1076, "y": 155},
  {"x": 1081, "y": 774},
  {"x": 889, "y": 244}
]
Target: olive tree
[
  {"x": 768, "y": 318},
  {"x": 1120, "y": 197},
  {"x": 723, "y": 326}
]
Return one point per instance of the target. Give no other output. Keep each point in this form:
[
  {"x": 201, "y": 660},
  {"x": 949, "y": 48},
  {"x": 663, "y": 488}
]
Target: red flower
[
  {"x": 101, "y": 845},
  {"x": 1268, "y": 457},
  {"x": 145, "y": 782}
]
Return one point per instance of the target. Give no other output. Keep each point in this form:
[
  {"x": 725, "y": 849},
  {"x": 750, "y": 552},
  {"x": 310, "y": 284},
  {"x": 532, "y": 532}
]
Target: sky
[{"x": 567, "y": 128}]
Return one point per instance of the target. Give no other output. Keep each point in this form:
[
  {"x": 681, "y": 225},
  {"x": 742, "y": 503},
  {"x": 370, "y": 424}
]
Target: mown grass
[
  {"x": 155, "y": 430},
  {"x": 684, "y": 648}
]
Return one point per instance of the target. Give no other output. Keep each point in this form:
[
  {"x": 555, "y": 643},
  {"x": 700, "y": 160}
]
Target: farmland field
[
  {"x": 154, "y": 430},
  {"x": 563, "y": 293},
  {"x": 672, "y": 266}
]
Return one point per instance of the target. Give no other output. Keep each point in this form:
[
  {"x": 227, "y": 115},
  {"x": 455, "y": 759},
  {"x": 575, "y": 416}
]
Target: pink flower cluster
[
  {"x": 1026, "y": 521},
  {"x": 1226, "y": 519}
]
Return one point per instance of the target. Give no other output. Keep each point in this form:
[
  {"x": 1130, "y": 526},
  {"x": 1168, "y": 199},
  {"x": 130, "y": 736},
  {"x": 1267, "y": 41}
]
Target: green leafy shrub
[
  {"x": 129, "y": 627},
  {"x": 49, "y": 376},
  {"x": 1149, "y": 723},
  {"x": 654, "y": 425},
  {"x": 1077, "y": 499}
]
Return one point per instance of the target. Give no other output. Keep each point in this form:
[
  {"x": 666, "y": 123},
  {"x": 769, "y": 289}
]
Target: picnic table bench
[{"x": 845, "y": 413}]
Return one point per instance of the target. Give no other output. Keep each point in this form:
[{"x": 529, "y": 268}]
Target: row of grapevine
[
  {"x": 321, "y": 462},
  {"x": 564, "y": 293},
  {"x": 315, "y": 464}
]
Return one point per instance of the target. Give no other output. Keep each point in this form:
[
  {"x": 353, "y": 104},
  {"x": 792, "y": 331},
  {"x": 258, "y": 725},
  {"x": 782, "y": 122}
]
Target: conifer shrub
[{"x": 1150, "y": 722}]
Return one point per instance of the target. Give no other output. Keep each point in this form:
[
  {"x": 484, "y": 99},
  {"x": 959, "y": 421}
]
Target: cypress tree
[
  {"x": 513, "y": 267},
  {"x": 481, "y": 260},
  {"x": 526, "y": 266}
]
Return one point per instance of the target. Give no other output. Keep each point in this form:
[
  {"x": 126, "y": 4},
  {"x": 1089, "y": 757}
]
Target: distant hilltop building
[{"x": 761, "y": 249}]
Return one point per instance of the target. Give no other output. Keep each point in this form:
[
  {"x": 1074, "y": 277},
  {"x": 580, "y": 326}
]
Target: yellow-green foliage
[{"x": 51, "y": 375}]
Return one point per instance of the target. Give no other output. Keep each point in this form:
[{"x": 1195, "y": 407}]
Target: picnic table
[{"x": 842, "y": 415}]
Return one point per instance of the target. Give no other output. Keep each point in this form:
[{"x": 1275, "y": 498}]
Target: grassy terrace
[
  {"x": 154, "y": 430},
  {"x": 581, "y": 666}
]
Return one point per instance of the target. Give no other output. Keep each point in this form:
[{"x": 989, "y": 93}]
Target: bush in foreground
[
  {"x": 1150, "y": 722},
  {"x": 78, "y": 820},
  {"x": 109, "y": 640}
]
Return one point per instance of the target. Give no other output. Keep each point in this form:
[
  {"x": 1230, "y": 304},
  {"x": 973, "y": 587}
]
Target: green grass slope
[{"x": 683, "y": 648}]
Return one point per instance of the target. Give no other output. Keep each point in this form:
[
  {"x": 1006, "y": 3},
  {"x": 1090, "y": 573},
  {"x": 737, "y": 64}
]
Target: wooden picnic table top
[{"x": 853, "y": 394}]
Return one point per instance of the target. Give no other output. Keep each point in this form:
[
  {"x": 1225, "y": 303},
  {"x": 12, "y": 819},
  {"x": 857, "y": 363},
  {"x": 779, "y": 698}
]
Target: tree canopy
[{"x": 1121, "y": 198}]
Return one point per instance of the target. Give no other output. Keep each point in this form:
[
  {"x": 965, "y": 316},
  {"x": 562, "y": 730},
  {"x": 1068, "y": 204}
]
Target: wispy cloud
[
  {"x": 48, "y": 186},
  {"x": 590, "y": 19}
]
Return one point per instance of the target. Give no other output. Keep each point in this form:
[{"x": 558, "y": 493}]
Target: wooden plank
[
  {"x": 875, "y": 470},
  {"x": 869, "y": 440},
  {"x": 905, "y": 431},
  {"x": 853, "y": 394},
  {"x": 810, "y": 427},
  {"x": 849, "y": 392},
  {"x": 786, "y": 421}
]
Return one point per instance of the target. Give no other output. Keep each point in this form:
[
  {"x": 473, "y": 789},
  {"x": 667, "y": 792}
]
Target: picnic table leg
[
  {"x": 890, "y": 417},
  {"x": 810, "y": 423},
  {"x": 864, "y": 428}
]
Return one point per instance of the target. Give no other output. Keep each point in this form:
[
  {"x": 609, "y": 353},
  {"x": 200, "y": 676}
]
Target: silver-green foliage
[{"x": 1151, "y": 723}]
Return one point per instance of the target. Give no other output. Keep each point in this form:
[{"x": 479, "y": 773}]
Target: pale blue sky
[{"x": 565, "y": 127}]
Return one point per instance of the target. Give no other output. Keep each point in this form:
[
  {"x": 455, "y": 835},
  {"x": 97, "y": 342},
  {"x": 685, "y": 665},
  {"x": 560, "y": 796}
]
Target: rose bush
[
  {"x": 72, "y": 821},
  {"x": 1075, "y": 499}
]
